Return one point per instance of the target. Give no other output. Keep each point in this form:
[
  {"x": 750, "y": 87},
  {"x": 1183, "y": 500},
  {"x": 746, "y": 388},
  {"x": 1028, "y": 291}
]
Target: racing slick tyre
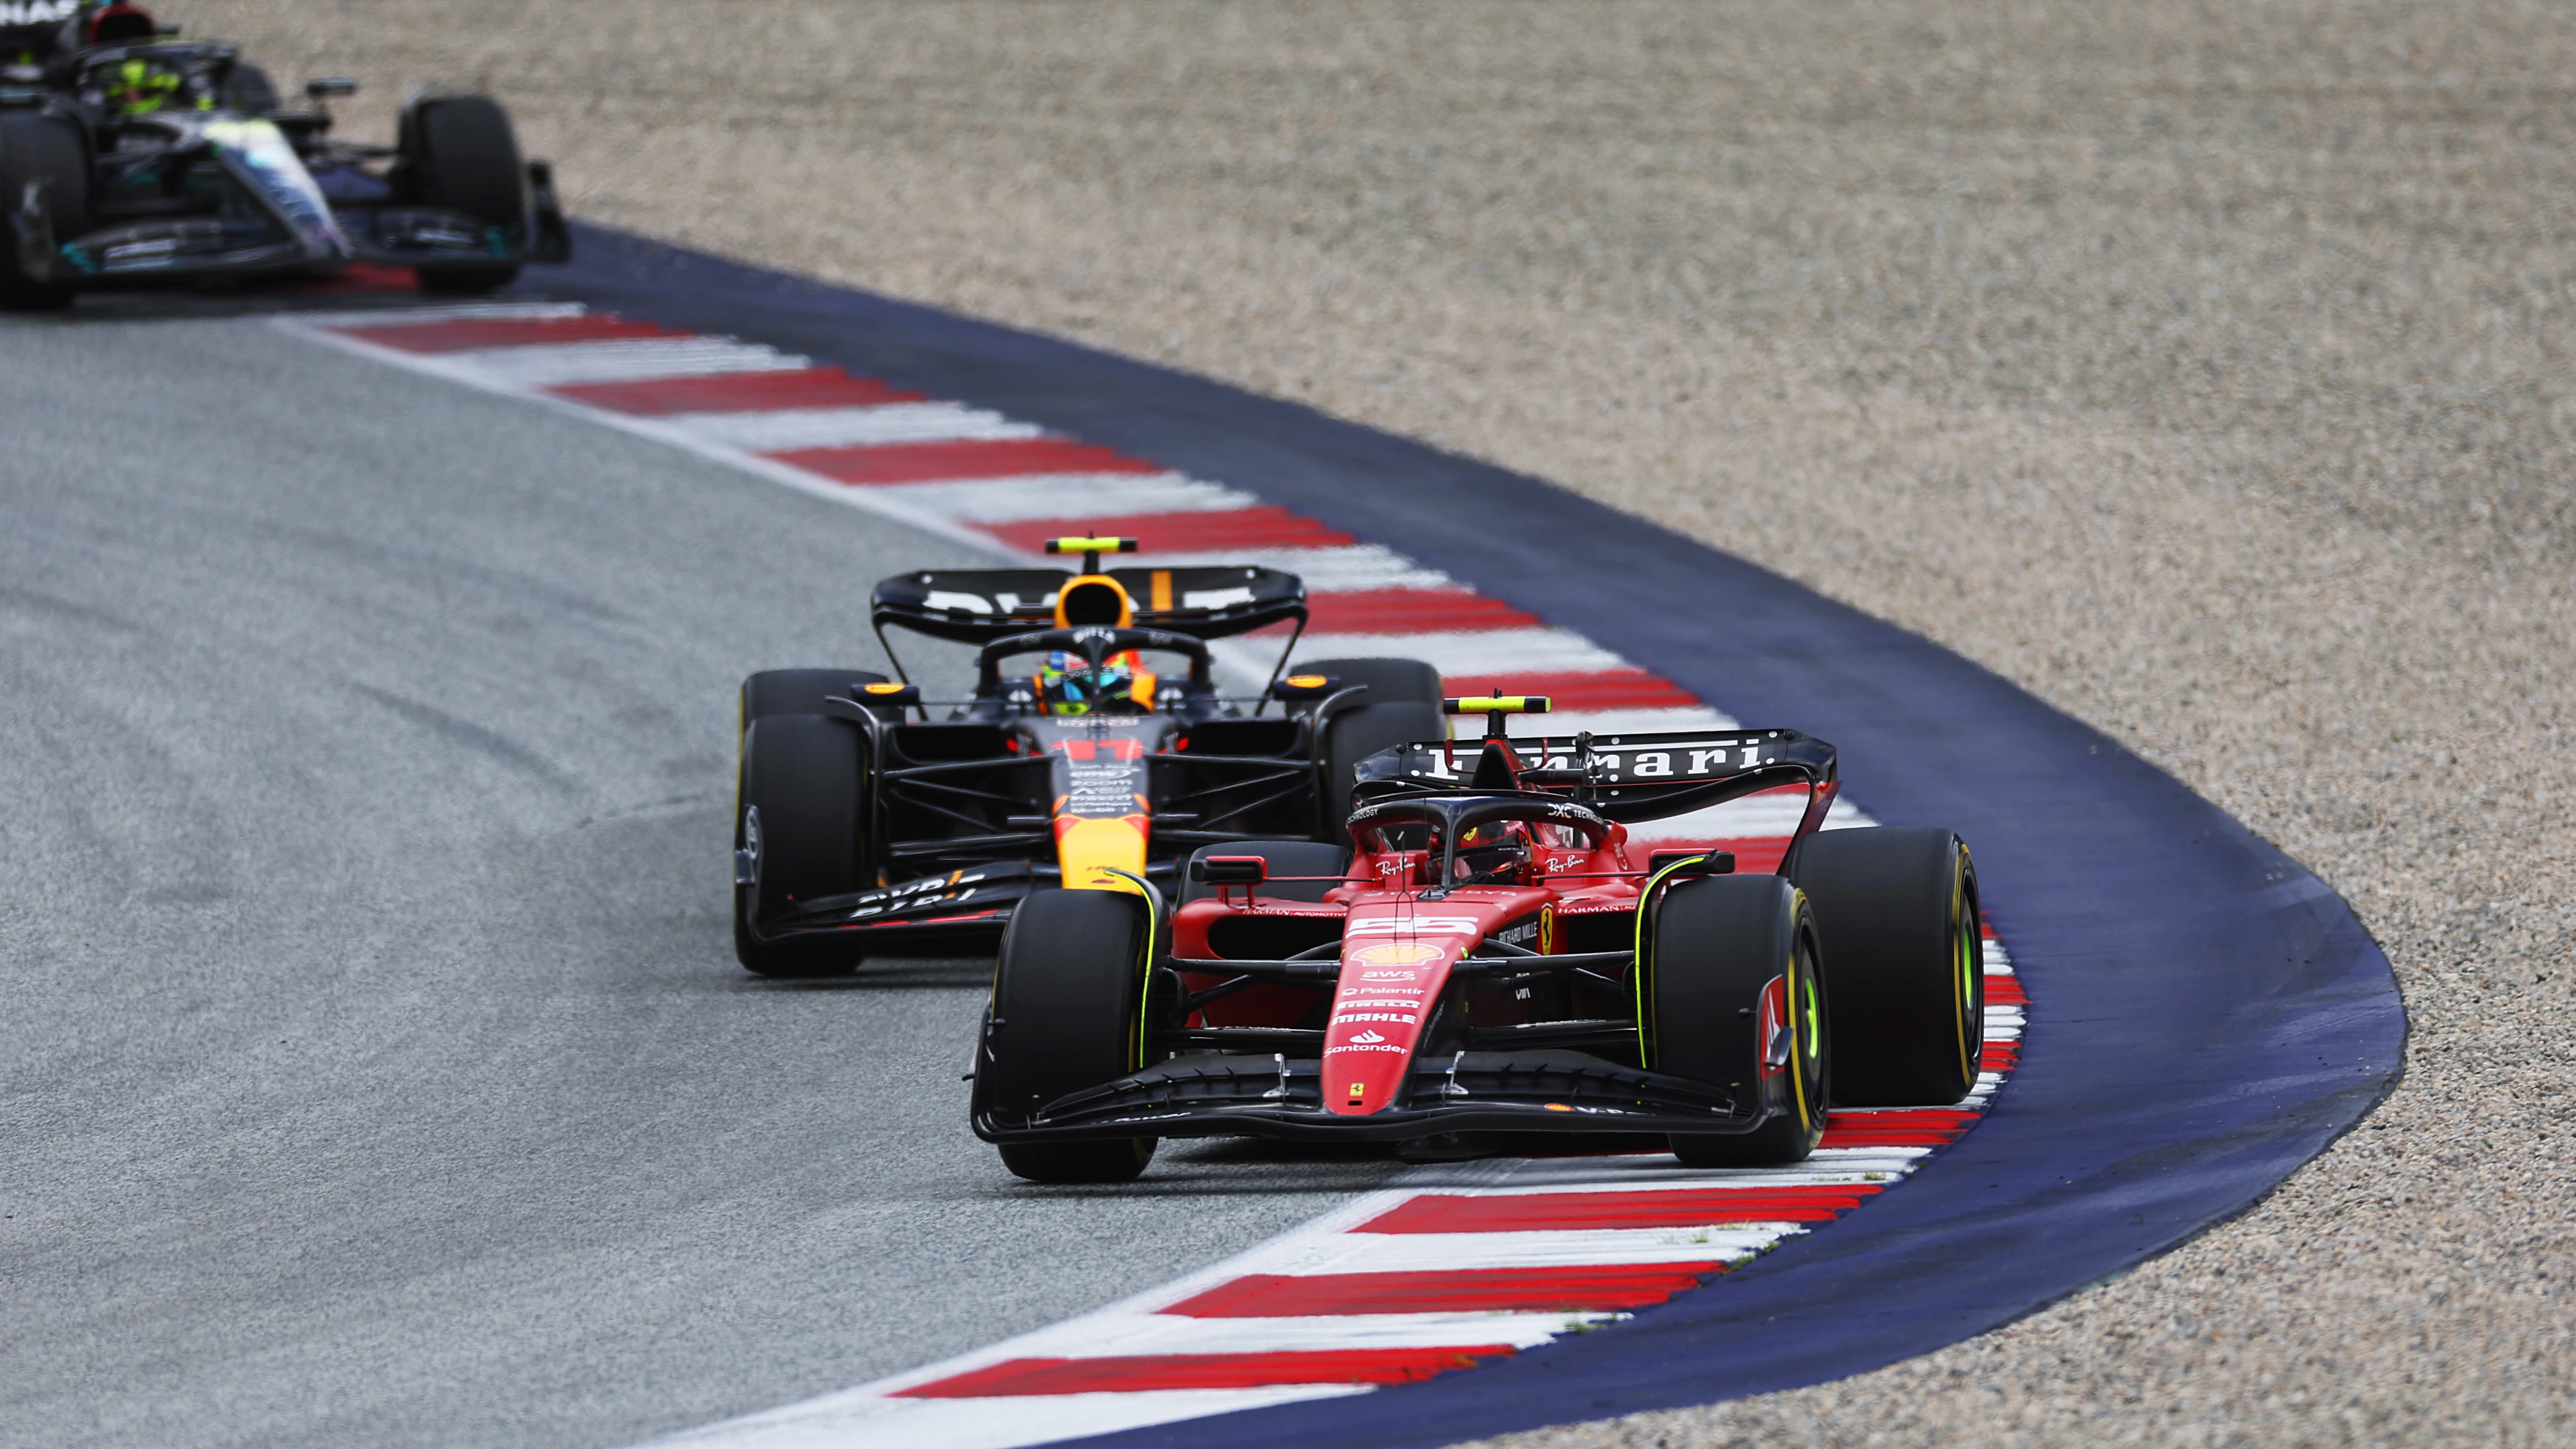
[
  {"x": 460, "y": 152},
  {"x": 798, "y": 822},
  {"x": 802, "y": 691},
  {"x": 1719, "y": 944},
  {"x": 1403, "y": 705},
  {"x": 1896, "y": 910},
  {"x": 1283, "y": 858},
  {"x": 1068, "y": 1013},
  {"x": 43, "y": 150}
]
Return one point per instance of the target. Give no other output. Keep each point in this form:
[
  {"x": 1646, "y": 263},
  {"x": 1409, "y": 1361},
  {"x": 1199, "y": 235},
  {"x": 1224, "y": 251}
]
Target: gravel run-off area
[{"x": 2201, "y": 367}]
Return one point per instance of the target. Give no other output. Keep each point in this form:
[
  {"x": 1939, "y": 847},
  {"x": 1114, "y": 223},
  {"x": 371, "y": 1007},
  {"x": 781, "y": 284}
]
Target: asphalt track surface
[{"x": 374, "y": 1067}]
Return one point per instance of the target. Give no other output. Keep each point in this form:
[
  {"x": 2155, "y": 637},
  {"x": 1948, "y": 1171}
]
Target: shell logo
[{"x": 1394, "y": 953}]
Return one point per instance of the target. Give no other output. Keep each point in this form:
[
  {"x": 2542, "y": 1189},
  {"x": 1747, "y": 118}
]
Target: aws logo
[{"x": 1395, "y": 953}]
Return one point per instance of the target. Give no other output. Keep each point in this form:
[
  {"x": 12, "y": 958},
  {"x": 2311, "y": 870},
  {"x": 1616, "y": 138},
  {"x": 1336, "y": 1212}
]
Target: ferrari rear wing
[{"x": 1624, "y": 777}]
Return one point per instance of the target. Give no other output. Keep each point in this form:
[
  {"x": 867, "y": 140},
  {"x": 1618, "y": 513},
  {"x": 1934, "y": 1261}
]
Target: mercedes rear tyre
[
  {"x": 1068, "y": 1012},
  {"x": 1730, "y": 997},
  {"x": 799, "y": 835},
  {"x": 42, "y": 150},
  {"x": 1896, "y": 909},
  {"x": 461, "y": 153},
  {"x": 1402, "y": 706}
]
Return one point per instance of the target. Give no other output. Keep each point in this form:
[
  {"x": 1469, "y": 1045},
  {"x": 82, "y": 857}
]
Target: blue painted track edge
[{"x": 2206, "y": 1015}]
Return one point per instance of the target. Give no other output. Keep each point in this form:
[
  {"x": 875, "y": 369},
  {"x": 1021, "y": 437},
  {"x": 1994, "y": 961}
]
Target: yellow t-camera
[{"x": 1497, "y": 709}]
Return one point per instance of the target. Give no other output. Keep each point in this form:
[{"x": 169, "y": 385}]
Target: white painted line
[
  {"x": 625, "y": 359},
  {"x": 659, "y": 430},
  {"x": 860, "y": 1419},
  {"x": 786, "y": 429},
  {"x": 1534, "y": 652},
  {"x": 1162, "y": 1333},
  {"x": 402, "y": 316},
  {"x": 1835, "y": 1155},
  {"x": 1657, "y": 1172},
  {"x": 1346, "y": 569},
  {"x": 1072, "y": 495},
  {"x": 1432, "y": 1252},
  {"x": 1761, "y": 817},
  {"x": 1615, "y": 722}
]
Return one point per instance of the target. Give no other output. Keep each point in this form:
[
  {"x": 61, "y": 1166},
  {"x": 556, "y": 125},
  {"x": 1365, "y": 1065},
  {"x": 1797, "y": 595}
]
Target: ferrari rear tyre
[
  {"x": 1291, "y": 858},
  {"x": 1403, "y": 705},
  {"x": 798, "y": 821},
  {"x": 1068, "y": 1013},
  {"x": 461, "y": 152},
  {"x": 1731, "y": 957},
  {"x": 1896, "y": 911},
  {"x": 42, "y": 149}
]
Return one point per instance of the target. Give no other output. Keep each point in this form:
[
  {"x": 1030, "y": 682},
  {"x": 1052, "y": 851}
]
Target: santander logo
[{"x": 1368, "y": 1036}]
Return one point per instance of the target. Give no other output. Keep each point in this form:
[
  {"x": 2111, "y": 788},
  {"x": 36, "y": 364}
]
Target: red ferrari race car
[{"x": 1487, "y": 959}]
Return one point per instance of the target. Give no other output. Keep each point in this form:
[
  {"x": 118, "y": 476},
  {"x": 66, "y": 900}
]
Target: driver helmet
[
  {"x": 1492, "y": 853},
  {"x": 140, "y": 86},
  {"x": 119, "y": 23},
  {"x": 1066, "y": 684}
]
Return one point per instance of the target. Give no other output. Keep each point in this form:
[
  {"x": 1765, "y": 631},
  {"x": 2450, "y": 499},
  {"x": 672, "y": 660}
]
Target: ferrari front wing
[{"x": 1211, "y": 1095}]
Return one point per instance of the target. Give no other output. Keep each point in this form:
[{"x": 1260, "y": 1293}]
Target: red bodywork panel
[{"x": 1398, "y": 949}]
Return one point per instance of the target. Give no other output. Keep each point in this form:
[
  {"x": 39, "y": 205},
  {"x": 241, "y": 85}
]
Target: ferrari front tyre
[
  {"x": 461, "y": 153},
  {"x": 799, "y": 827},
  {"x": 42, "y": 150},
  {"x": 1729, "y": 987},
  {"x": 1896, "y": 910},
  {"x": 1068, "y": 1012},
  {"x": 1402, "y": 706}
]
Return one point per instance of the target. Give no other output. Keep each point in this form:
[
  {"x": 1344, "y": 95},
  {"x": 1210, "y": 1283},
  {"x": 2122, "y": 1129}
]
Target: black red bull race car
[
  {"x": 129, "y": 156},
  {"x": 1095, "y": 752},
  {"x": 1483, "y": 959}
]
